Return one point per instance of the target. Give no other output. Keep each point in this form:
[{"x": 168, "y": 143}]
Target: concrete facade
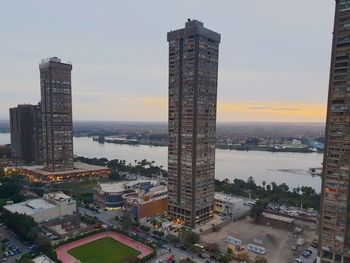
[
  {"x": 57, "y": 126},
  {"x": 193, "y": 72},
  {"x": 150, "y": 204},
  {"x": 227, "y": 205},
  {"x": 334, "y": 232},
  {"x": 21, "y": 129}
]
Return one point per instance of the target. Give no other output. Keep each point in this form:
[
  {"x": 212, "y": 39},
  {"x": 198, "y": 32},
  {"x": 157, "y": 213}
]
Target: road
[
  {"x": 164, "y": 254},
  {"x": 16, "y": 243}
]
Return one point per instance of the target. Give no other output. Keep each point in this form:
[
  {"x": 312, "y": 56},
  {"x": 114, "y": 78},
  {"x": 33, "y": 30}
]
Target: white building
[
  {"x": 66, "y": 204},
  {"x": 51, "y": 206},
  {"x": 227, "y": 205},
  {"x": 42, "y": 259}
]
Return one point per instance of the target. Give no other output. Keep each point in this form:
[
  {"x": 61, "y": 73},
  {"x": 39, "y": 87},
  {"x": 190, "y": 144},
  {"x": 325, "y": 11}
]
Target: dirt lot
[{"x": 278, "y": 242}]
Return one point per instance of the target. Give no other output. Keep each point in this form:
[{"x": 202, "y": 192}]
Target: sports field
[
  {"x": 106, "y": 247},
  {"x": 107, "y": 250}
]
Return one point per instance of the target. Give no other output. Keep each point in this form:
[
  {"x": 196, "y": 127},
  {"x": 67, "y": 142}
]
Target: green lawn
[{"x": 106, "y": 250}]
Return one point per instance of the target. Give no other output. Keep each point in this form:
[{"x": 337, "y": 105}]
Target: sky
[{"x": 273, "y": 62}]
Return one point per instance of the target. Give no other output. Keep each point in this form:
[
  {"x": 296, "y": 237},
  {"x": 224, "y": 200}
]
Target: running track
[{"x": 62, "y": 251}]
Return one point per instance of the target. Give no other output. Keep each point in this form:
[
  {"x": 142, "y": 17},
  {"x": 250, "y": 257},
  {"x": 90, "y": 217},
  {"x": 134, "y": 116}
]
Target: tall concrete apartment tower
[
  {"x": 56, "y": 107},
  {"x": 193, "y": 74},
  {"x": 334, "y": 232},
  {"x": 21, "y": 129}
]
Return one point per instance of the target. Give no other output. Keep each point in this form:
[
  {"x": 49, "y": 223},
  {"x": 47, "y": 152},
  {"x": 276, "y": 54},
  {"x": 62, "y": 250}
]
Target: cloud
[
  {"x": 260, "y": 108},
  {"x": 286, "y": 109}
]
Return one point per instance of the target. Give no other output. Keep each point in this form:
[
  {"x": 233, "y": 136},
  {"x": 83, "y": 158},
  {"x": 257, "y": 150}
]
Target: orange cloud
[
  {"x": 271, "y": 111},
  {"x": 155, "y": 108}
]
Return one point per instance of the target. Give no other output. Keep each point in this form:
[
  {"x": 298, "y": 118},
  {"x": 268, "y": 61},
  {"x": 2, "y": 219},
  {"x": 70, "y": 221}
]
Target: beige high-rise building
[
  {"x": 334, "y": 232},
  {"x": 193, "y": 73}
]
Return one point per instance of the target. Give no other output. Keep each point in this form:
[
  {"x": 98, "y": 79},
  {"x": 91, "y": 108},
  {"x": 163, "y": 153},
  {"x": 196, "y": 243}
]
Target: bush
[
  {"x": 158, "y": 233},
  {"x": 145, "y": 228}
]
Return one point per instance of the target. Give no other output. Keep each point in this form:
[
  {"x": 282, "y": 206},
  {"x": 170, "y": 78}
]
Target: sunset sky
[{"x": 273, "y": 66}]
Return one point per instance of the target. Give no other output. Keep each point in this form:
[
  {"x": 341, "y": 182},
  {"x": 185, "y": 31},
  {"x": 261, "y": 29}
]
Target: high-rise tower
[
  {"x": 334, "y": 232},
  {"x": 21, "y": 128},
  {"x": 193, "y": 73},
  {"x": 56, "y": 105}
]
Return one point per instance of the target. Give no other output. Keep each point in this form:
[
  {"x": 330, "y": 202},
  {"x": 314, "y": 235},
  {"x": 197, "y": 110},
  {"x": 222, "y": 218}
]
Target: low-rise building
[
  {"x": 80, "y": 171},
  {"x": 42, "y": 259},
  {"x": 148, "y": 204},
  {"x": 112, "y": 195},
  {"x": 277, "y": 221},
  {"x": 227, "y": 205},
  {"x": 66, "y": 204},
  {"x": 51, "y": 206}
]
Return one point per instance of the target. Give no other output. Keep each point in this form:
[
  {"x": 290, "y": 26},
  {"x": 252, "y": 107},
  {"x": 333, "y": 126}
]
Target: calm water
[{"x": 289, "y": 168}]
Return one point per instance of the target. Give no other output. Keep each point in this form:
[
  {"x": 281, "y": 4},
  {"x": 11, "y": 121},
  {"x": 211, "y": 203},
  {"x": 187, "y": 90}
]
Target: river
[{"x": 289, "y": 168}]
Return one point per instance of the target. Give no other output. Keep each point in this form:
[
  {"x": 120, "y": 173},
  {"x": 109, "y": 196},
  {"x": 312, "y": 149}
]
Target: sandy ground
[{"x": 278, "y": 242}]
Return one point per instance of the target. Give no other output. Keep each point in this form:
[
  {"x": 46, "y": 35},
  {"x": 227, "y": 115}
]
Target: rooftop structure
[
  {"x": 278, "y": 217},
  {"x": 125, "y": 185},
  {"x": 51, "y": 206},
  {"x": 145, "y": 205},
  {"x": 81, "y": 170},
  {"x": 30, "y": 207},
  {"x": 42, "y": 259},
  {"x": 112, "y": 195}
]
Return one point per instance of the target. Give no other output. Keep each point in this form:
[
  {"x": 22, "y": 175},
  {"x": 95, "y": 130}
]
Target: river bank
[{"x": 278, "y": 167}]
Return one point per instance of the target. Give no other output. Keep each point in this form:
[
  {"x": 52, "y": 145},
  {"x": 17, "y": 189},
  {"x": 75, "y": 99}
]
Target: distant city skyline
[{"x": 273, "y": 67}]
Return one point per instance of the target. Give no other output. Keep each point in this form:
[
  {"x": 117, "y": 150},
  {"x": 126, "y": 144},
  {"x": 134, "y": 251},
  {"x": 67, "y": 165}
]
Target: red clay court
[{"x": 62, "y": 251}]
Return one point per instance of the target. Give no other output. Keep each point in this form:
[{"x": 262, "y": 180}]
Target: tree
[
  {"x": 257, "y": 210},
  {"x": 283, "y": 187},
  {"x": 225, "y": 258},
  {"x": 172, "y": 239},
  {"x": 126, "y": 222},
  {"x": 114, "y": 175},
  {"x": 195, "y": 249},
  {"x": 189, "y": 237},
  {"x": 229, "y": 251},
  {"x": 212, "y": 247},
  {"x": 44, "y": 243},
  {"x": 260, "y": 259},
  {"x": 263, "y": 183},
  {"x": 22, "y": 224},
  {"x": 274, "y": 186}
]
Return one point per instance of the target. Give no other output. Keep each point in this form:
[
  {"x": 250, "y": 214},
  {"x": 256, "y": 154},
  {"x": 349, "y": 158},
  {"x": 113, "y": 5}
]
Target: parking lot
[
  {"x": 311, "y": 258},
  {"x": 13, "y": 247}
]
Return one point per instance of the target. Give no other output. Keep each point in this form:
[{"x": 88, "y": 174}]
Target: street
[{"x": 178, "y": 254}]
